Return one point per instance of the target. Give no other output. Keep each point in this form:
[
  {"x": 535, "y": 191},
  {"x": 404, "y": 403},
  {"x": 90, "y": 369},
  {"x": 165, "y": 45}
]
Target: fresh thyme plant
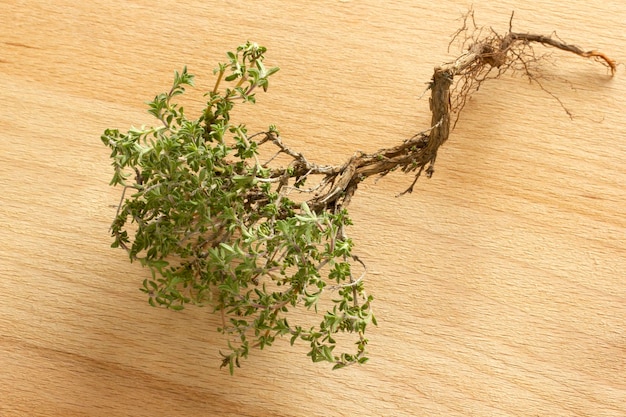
[{"x": 215, "y": 225}]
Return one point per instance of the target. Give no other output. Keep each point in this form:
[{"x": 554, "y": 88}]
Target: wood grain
[{"x": 499, "y": 283}]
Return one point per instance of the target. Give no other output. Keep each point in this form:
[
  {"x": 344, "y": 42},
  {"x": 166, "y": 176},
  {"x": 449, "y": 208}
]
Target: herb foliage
[{"x": 215, "y": 226}]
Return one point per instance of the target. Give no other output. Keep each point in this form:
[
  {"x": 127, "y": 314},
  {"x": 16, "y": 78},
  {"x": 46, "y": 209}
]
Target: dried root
[
  {"x": 491, "y": 56},
  {"x": 485, "y": 58}
]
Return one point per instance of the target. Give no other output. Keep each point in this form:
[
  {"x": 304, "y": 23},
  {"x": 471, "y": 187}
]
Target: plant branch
[
  {"x": 214, "y": 223},
  {"x": 494, "y": 52}
]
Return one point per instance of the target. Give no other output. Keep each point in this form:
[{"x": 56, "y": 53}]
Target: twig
[{"x": 493, "y": 54}]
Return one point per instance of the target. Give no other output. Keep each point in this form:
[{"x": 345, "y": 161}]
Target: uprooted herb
[{"x": 218, "y": 226}]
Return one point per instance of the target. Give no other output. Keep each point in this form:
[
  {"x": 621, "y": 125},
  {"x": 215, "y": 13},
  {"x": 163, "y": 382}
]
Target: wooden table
[{"x": 499, "y": 283}]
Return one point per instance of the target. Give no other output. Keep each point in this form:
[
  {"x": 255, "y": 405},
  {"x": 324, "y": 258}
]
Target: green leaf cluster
[{"x": 215, "y": 227}]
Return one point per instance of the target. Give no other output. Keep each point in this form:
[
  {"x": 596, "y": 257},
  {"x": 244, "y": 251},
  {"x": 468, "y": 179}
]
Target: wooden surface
[{"x": 499, "y": 283}]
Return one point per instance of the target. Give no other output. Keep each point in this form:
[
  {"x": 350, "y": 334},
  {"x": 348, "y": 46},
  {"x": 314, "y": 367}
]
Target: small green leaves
[{"x": 213, "y": 225}]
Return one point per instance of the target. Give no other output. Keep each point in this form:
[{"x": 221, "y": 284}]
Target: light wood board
[{"x": 500, "y": 283}]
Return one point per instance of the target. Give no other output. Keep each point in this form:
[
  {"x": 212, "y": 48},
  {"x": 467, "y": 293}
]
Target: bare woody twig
[{"x": 512, "y": 51}]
